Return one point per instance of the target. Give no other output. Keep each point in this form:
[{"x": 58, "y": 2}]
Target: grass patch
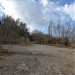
[
  {"x": 51, "y": 45},
  {"x": 4, "y": 54},
  {"x": 67, "y": 52},
  {"x": 60, "y": 46},
  {"x": 24, "y": 44}
]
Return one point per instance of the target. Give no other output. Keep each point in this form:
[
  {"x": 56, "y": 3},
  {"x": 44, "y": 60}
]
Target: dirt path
[{"x": 38, "y": 60}]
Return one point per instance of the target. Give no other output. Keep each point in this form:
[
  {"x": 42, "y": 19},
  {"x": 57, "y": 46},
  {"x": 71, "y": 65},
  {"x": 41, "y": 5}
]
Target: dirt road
[{"x": 38, "y": 60}]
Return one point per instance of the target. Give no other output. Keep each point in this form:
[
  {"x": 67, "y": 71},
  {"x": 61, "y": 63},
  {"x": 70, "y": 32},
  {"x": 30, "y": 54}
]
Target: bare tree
[
  {"x": 55, "y": 29},
  {"x": 59, "y": 29},
  {"x": 50, "y": 28}
]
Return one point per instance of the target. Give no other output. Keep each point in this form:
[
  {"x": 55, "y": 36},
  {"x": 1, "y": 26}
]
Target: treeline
[
  {"x": 15, "y": 31},
  {"x": 41, "y": 38},
  {"x": 58, "y": 34},
  {"x": 46, "y": 39},
  {"x": 12, "y": 31}
]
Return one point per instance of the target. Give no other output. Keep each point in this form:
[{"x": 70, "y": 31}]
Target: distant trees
[
  {"x": 63, "y": 32},
  {"x": 57, "y": 34},
  {"x": 39, "y": 37}
]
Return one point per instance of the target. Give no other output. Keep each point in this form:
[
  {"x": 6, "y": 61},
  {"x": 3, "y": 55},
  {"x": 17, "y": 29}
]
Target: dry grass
[
  {"x": 61, "y": 46},
  {"x": 4, "y": 54},
  {"x": 24, "y": 44},
  {"x": 67, "y": 51}
]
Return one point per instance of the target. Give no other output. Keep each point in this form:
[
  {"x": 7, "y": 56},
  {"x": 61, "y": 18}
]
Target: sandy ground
[{"x": 38, "y": 60}]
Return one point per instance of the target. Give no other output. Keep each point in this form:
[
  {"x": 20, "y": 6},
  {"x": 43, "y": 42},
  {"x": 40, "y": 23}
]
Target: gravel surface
[{"x": 38, "y": 60}]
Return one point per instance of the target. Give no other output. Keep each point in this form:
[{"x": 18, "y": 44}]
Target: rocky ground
[{"x": 38, "y": 60}]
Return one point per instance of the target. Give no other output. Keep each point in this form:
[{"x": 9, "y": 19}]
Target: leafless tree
[{"x": 50, "y": 28}]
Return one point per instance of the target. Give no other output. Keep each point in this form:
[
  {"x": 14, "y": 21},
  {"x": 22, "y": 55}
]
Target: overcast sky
[{"x": 38, "y": 13}]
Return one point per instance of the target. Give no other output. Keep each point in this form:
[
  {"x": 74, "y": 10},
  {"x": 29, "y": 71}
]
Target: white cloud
[
  {"x": 9, "y": 8},
  {"x": 44, "y": 2},
  {"x": 28, "y": 11},
  {"x": 68, "y": 9},
  {"x": 37, "y": 13}
]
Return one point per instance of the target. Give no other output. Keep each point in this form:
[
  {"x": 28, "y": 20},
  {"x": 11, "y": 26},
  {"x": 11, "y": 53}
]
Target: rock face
[{"x": 38, "y": 60}]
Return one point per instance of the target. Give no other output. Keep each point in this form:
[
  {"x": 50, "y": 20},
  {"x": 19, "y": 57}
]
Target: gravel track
[{"x": 38, "y": 60}]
